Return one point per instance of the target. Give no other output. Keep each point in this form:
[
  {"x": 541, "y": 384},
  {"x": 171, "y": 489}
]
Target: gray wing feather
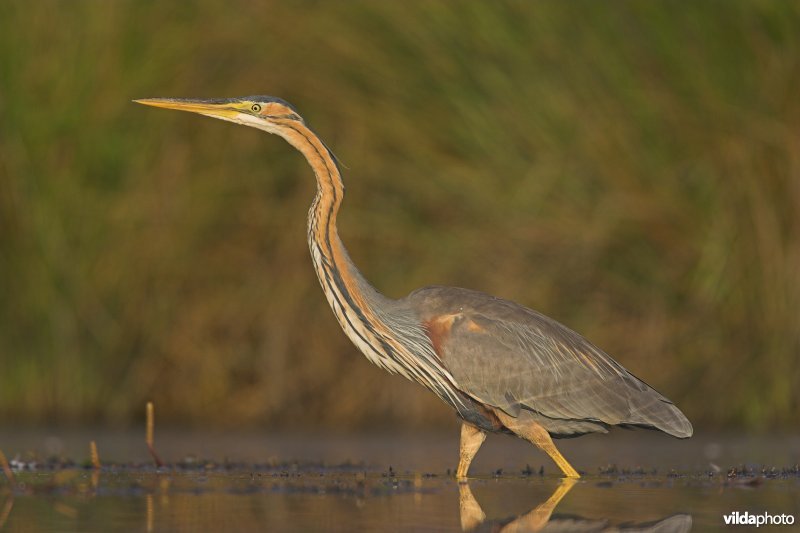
[{"x": 513, "y": 358}]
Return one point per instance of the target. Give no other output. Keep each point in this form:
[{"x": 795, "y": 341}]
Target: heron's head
[{"x": 267, "y": 113}]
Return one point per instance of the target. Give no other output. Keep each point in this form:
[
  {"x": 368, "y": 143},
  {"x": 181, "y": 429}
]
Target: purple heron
[{"x": 503, "y": 367}]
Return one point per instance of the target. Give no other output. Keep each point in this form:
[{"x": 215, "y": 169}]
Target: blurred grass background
[{"x": 630, "y": 168}]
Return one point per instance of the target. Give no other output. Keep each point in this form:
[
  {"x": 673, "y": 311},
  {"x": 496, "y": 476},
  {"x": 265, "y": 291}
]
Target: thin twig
[
  {"x": 95, "y": 457},
  {"x": 149, "y": 435},
  {"x": 7, "y": 470}
]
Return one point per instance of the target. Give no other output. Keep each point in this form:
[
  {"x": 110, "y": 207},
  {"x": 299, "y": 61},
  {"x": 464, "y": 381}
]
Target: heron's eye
[{"x": 255, "y": 108}]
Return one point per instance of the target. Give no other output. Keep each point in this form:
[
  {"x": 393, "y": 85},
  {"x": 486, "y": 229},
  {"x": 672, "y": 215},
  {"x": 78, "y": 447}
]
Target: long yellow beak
[{"x": 224, "y": 109}]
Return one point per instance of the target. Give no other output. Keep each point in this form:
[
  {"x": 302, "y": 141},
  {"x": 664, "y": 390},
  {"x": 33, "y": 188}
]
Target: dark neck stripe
[{"x": 328, "y": 259}]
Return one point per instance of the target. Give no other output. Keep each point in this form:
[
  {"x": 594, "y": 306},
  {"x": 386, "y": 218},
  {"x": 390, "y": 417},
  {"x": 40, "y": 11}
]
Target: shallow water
[{"x": 637, "y": 481}]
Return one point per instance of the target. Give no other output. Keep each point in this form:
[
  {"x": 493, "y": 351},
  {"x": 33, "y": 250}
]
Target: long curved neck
[
  {"x": 358, "y": 306},
  {"x": 386, "y": 333},
  {"x": 330, "y": 256}
]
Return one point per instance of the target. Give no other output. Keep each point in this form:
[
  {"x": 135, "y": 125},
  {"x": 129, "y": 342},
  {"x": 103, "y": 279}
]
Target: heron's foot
[
  {"x": 463, "y": 469},
  {"x": 569, "y": 472},
  {"x": 566, "y": 468}
]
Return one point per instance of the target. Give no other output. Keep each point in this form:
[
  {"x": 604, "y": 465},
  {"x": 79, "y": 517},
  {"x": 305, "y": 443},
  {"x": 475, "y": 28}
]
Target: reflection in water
[
  {"x": 539, "y": 518},
  {"x": 7, "y": 506},
  {"x": 346, "y": 499},
  {"x": 149, "y": 513}
]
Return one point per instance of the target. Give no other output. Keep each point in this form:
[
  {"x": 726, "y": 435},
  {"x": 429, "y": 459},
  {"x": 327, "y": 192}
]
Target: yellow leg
[
  {"x": 536, "y": 434},
  {"x": 471, "y": 440}
]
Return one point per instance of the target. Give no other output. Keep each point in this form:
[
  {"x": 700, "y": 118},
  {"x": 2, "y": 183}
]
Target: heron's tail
[{"x": 662, "y": 414}]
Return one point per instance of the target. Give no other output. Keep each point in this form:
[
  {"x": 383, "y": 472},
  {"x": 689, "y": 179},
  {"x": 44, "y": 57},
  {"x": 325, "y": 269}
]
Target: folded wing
[{"x": 512, "y": 358}]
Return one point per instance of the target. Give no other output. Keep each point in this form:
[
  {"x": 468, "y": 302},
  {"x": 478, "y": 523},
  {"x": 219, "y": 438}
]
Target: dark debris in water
[
  {"x": 762, "y": 471},
  {"x": 636, "y": 471},
  {"x": 56, "y": 476},
  {"x": 60, "y": 476},
  {"x": 528, "y": 471}
]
